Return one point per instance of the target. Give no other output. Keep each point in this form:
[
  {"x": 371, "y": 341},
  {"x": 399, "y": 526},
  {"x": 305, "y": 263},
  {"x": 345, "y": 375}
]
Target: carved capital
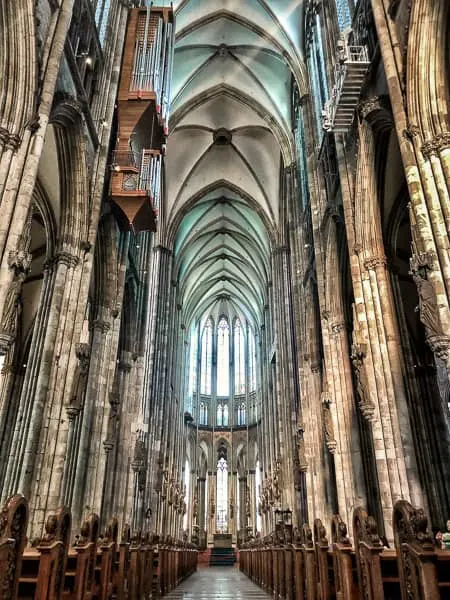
[
  {"x": 100, "y": 325},
  {"x": 439, "y": 345},
  {"x": 124, "y": 366},
  {"x": 67, "y": 259},
  {"x": 374, "y": 262},
  {"x": 6, "y": 341},
  {"x": 72, "y": 411},
  {"x": 108, "y": 445},
  {"x": 337, "y": 328},
  {"x": 370, "y": 105},
  {"x": 436, "y": 145}
]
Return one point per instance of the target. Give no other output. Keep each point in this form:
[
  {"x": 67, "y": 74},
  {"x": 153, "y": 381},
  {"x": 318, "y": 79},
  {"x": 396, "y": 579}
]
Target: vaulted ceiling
[{"x": 230, "y": 136}]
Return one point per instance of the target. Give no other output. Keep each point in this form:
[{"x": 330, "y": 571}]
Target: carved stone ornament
[
  {"x": 428, "y": 308},
  {"x": 436, "y": 145},
  {"x": 301, "y": 451},
  {"x": 328, "y": 423},
  {"x": 370, "y": 105},
  {"x": 83, "y": 353},
  {"x": 366, "y": 405},
  {"x": 11, "y": 311},
  {"x": 374, "y": 262}
]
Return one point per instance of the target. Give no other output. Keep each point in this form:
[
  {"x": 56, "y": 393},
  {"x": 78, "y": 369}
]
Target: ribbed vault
[{"x": 230, "y": 138}]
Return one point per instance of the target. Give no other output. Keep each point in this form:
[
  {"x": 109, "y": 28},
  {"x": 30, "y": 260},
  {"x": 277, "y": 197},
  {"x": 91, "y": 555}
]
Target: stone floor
[{"x": 218, "y": 583}]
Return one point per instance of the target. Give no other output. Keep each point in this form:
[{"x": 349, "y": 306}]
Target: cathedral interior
[{"x": 225, "y": 272}]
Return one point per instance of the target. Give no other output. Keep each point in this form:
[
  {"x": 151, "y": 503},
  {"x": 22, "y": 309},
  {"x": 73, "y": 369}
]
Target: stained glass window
[
  {"x": 239, "y": 358},
  {"x": 222, "y": 495},
  {"x": 192, "y": 366},
  {"x": 343, "y": 14},
  {"x": 251, "y": 361},
  {"x": 203, "y": 417},
  {"x": 222, "y": 415},
  {"x": 242, "y": 414},
  {"x": 206, "y": 361},
  {"x": 223, "y": 358},
  {"x": 101, "y": 18}
]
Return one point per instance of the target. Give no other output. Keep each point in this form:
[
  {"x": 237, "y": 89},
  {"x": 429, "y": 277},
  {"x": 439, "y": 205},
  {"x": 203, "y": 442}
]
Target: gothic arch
[
  {"x": 105, "y": 285},
  {"x": 67, "y": 120},
  {"x": 428, "y": 98},
  {"x": 19, "y": 61}
]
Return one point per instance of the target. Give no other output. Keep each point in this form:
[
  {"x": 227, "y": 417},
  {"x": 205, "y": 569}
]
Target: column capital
[
  {"x": 374, "y": 262},
  {"x": 337, "y": 327},
  {"x": 100, "y": 325}
]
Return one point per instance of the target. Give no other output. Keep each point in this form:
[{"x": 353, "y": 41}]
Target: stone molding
[{"x": 437, "y": 144}]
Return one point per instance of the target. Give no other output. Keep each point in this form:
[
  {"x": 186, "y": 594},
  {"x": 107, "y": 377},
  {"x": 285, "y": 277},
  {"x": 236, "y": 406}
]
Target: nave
[{"x": 218, "y": 583}]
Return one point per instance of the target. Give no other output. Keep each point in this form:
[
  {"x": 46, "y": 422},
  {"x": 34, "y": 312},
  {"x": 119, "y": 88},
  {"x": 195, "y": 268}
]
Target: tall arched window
[
  {"x": 102, "y": 8},
  {"x": 203, "y": 416},
  {"x": 192, "y": 371},
  {"x": 223, "y": 358},
  {"x": 251, "y": 362},
  {"x": 186, "y": 489},
  {"x": 206, "y": 362},
  {"x": 343, "y": 14},
  {"x": 222, "y": 415},
  {"x": 242, "y": 414},
  {"x": 239, "y": 358},
  {"x": 222, "y": 495}
]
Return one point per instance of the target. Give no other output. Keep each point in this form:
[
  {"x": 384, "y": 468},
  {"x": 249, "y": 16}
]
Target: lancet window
[
  {"x": 222, "y": 495},
  {"x": 223, "y": 358},
  {"x": 206, "y": 362},
  {"x": 239, "y": 358}
]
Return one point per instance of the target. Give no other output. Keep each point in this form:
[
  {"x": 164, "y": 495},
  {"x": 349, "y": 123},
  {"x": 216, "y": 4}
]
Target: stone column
[
  {"x": 342, "y": 412},
  {"x": 287, "y": 382}
]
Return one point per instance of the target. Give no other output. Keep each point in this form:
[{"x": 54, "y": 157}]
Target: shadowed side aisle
[{"x": 224, "y": 583}]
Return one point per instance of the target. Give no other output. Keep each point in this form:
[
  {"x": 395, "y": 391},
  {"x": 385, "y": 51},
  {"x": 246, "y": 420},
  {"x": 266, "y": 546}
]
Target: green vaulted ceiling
[{"x": 230, "y": 137}]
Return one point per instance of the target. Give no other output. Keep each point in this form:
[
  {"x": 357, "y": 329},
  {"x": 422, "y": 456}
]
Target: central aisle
[{"x": 218, "y": 583}]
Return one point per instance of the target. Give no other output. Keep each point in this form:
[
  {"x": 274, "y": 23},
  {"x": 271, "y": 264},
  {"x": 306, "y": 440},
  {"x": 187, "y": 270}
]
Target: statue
[
  {"x": 366, "y": 405},
  {"x": 328, "y": 425},
  {"x": 12, "y": 305},
  {"x": 446, "y": 537},
  {"x": 248, "y": 510},
  {"x": 195, "y": 507},
  {"x": 231, "y": 507},
  {"x": 428, "y": 308}
]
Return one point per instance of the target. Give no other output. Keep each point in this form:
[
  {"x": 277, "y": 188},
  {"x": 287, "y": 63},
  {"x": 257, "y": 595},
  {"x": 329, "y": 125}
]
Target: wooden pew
[
  {"x": 298, "y": 566},
  {"x": 344, "y": 562},
  {"x": 417, "y": 556},
  {"x": 105, "y": 561},
  {"x": 79, "y": 581},
  {"x": 13, "y": 528},
  {"x": 122, "y": 564},
  {"x": 324, "y": 563},
  {"x": 378, "y": 576},
  {"x": 44, "y": 564},
  {"x": 309, "y": 563}
]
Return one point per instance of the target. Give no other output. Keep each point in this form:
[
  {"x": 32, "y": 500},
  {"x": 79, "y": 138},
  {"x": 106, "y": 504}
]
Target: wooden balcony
[{"x": 132, "y": 205}]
